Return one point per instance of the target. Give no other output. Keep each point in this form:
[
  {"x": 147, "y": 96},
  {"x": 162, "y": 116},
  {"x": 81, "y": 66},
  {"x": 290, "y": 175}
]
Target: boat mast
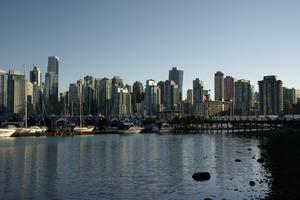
[
  {"x": 25, "y": 91},
  {"x": 80, "y": 91}
]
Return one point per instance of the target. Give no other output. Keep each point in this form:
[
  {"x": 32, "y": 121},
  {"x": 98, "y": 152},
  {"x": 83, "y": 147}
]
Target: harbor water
[{"x": 141, "y": 166}]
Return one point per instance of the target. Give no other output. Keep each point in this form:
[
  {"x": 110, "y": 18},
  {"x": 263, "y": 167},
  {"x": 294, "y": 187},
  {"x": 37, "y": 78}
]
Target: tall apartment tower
[
  {"x": 198, "y": 97},
  {"x": 243, "y": 97},
  {"x": 138, "y": 98},
  {"x": 177, "y": 76},
  {"x": 270, "y": 96},
  {"x": 229, "y": 88},
  {"x": 16, "y": 92},
  {"x": 51, "y": 85},
  {"x": 3, "y": 91},
  {"x": 219, "y": 86},
  {"x": 36, "y": 76},
  {"x": 152, "y": 98}
]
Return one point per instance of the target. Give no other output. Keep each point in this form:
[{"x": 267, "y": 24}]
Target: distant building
[
  {"x": 189, "y": 96},
  {"x": 122, "y": 100},
  {"x": 171, "y": 96},
  {"x": 243, "y": 97},
  {"x": 198, "y": 97},
  {"x": 63, "y": 102},
  {"x": 88, "y": 95},
  {"x": 270, "y": 96},
  {"x": 104, "y": 95},
  {"x": 289, "y": 99},
  {"x": 3, "y": 92},
  {"x": 51, "y": 85},
  {"x": 229, "y": 88},
  {"x": 36, "y": 76},
  {"x": 73, "y": 99},
  {"x": 177, "y": 76},
  {"x": 216, "y": 108},
  {"x": 16, "y": 92},
  {"x": 152, "y": 98},
  {"x": 138, "y": 98},
  {"x": 219, "y": 86}
]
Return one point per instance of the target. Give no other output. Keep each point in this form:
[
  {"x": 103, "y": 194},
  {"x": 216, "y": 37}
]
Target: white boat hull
[
  {"x": 83, "y": 129},
  {"x": 4, "y": 132}
]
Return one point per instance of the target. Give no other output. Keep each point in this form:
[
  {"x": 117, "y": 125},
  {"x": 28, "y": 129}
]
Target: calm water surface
[{"x": 146, "y": 166}]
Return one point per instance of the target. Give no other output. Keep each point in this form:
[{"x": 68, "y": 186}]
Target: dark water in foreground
[{"x": 146, "y": 166}]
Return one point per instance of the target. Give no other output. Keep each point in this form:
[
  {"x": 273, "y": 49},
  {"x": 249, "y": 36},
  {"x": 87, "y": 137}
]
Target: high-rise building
[
  {"x": 74, "y": 99},
  {"x": 289, "y": 99},
  {"x": 51, "y": 85},
  {"x": 3, "y": 91},
  {"x": 198, "y": 97},
  {"x": 177, "y": 76},
  {"x": 36, "y": 76},
  {"x": 270, "y": 96},
  {"x": 138, "y": 98},
  {"x": 197, "y": 91},
  {"x": 63, "y": 102},
  {"x": 161, "y": 85},
  {"x": 189, "y": 96},
  {"x": 88, "y": 98},
  {"x": 104, "y": 95},
  {"x": 171, "y": 96},
  {"x": 53, "y": 65},
  {"x": 122, "y": 101},
  {"x": 152, "y": 98},
  {"x": 229, "y": 88},
  {"x": 243, "y": 97},
  {"x": 16, "y": 92},
  {"x": 219, "y": 86}
]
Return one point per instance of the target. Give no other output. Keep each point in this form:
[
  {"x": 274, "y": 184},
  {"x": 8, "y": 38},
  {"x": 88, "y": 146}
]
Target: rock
[
  {"x": 251, "y": 183},
  {"x": 201, "y": 176},
  {"x": 261, "y": 160},
  {"x": 237, "y": 160}
]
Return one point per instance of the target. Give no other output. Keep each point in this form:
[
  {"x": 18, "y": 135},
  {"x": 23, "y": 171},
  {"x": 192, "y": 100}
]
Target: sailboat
[
  {"x": 82, "y": 129},
  {"x": 26, "y": 129},
  {"x": 7, "y": 132}
]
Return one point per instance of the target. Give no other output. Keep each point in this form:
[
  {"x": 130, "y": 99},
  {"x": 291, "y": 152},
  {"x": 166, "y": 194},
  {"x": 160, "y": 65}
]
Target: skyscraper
[
  {"x": 219, "y": 86},
  {"x": 198, "y": 96},
  {"x": 35, "y": 76},
  {"x": 177, "y": 76},
  {"x": 270, "y": 96},
  {"x": 53, "y": 65},
  {"x": 171, "y": 96},
  {"x": 189, "y": 96},
  {"x": 138, "y": 98},
  {"x": 88, "y": 98},
  {"x": 3, "y": 91},
  {"x": 16, "y": 92},
  {"x": 229, "y": 88},
  {"x": 152, "y": 98},
  {"x": 104, "y": 92},
  {"x": 74, "y": 99},
  {"x": 243, "y": 97},
  {"x": 51, "y": 85}
]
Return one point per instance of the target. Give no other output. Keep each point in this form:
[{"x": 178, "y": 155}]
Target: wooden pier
[{"x": 233, "y": 125}]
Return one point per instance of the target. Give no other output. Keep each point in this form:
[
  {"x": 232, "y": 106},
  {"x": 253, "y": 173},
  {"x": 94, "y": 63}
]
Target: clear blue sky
[{"x": 143, "y": 39}]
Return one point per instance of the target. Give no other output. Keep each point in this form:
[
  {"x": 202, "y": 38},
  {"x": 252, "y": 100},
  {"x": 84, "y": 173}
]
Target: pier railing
[{"x": 233, "y": 125}]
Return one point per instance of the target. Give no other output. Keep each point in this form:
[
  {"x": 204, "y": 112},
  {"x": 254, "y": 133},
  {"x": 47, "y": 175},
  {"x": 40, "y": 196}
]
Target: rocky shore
[{"x": 283, "y": 161}]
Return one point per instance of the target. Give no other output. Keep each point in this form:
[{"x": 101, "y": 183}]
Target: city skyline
[{"x": 146, "y": 39}]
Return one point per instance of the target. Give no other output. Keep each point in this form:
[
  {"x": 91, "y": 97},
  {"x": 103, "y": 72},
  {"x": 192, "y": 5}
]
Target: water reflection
[{"x": 130, "y": 167}]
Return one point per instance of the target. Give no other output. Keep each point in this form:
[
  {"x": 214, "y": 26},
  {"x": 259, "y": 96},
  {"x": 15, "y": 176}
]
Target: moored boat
[{"x": 7, "y": 132}]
